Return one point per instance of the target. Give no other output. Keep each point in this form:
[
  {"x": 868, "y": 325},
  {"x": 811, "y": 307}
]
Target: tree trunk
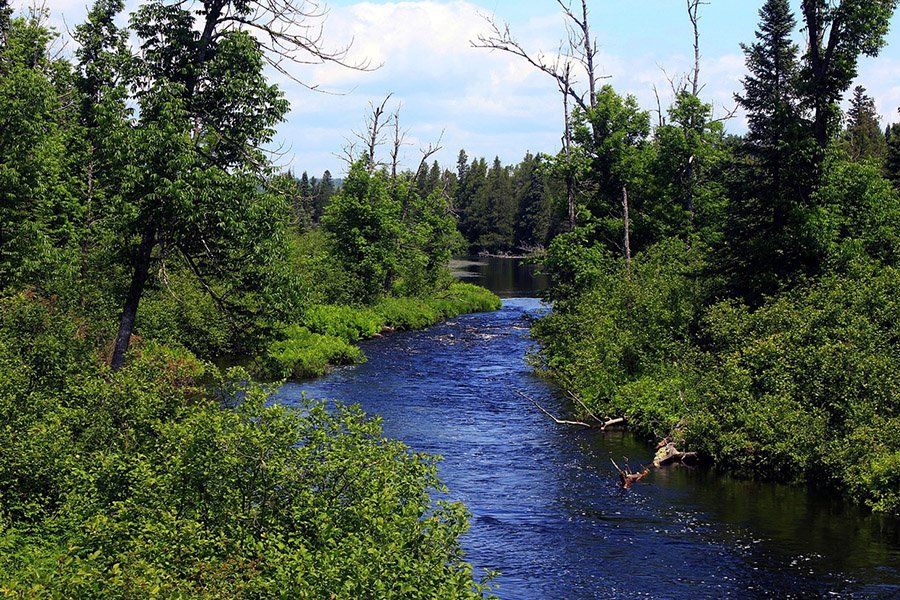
[
  {"x": 135, "y": 291},
  {"x": 627, "y": 223},
  {"x": 589, "y": 51},
  {"x": 567, "y": 147}
]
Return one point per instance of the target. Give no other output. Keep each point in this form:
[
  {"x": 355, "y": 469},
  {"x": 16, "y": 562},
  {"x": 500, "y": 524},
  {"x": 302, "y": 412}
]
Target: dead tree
[
  {"x": 579, "y": 48},
  {"x": 374, "y": 136},
  {"x": 564, "y": 85},
  {"x": 397, "y": 143},
  {"x": 693, "y": 8},
  {"x": 627, "y": 237}
]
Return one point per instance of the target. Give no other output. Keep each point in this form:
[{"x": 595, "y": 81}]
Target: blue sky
[{"x": 491, "y": 103}]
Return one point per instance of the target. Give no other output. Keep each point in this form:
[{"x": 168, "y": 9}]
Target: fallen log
[{"x": 667, "y": 454}]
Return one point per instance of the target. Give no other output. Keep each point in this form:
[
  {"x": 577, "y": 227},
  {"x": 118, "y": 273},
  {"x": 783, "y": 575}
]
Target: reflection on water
[
  {"x": 506, "y": 277},
  {"x": 546, "y": 510}
]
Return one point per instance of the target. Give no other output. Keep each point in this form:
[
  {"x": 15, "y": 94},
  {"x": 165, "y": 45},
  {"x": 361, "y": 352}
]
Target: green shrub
[
  {"x": 326, "y": 335},
  {"x": 167, "y": 479},
  {"x": 304, "y": 354},
  {"x": 804, "y": 388},
  {"x": 461, "y": 298},
  {"x": 406, "y": 313},
  {"x": 347, "y": 322}
]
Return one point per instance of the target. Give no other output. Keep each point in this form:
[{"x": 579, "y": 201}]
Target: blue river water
[{"x": 546, "y": 510}]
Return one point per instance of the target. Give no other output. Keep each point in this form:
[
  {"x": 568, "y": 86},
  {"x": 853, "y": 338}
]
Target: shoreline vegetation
[
  {"x": 170, "y": 478},
  {"x": 325, "y": 337}
]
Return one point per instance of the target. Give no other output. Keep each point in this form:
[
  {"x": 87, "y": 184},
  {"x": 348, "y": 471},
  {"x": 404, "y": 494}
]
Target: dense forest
[
  {"x": 737, "y": 296},
  {"x": 145, "y": 232}
]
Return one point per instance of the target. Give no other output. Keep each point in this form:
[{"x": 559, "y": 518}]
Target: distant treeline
[{"x": 498, "y": 208}]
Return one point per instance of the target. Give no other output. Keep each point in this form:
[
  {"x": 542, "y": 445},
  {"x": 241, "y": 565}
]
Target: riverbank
[
  {"x": 170, "y": 479},
  {"x": 327, "y": 335},
  {"x": 802, "y": 389}
]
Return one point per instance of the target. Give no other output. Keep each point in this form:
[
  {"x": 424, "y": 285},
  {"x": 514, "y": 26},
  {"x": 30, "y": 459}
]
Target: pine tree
[
  {"x": 771, "y": 97},
  {"x": 323, "y": 193},
  {"x": 533, "y": 216},
  {"x": 892, "y": 154},
  {"x": 763, "y": 245},
  {"x": 863, "y": 136}
]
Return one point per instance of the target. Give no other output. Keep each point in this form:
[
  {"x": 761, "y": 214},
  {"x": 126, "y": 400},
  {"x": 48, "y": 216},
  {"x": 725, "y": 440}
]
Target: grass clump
[
  {"x": 347, "y": 322},
  {"x": 304, "y": 354},
  {"x": 414, "y": 313}
]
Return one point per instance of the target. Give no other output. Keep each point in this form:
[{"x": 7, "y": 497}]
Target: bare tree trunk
[
  {"x": 399, "y": 138},
  {"x": 567, "y": 146},
  {"x": 374, "y": 134},
  {"x": 693, "y": 7},
  {"x": 627, "y": 223},
  {"x": 589, "y": 51},
  {"x": 135, "y": 290}
]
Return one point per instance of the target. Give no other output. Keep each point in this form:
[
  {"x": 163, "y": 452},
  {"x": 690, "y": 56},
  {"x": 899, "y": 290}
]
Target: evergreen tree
[
  {"x": 305, "y": 188},
  {"x": 433, "y": 181},
  {"x": 534, "y": 210},
  {"x": 461, "y": 195},
  {"x": 763, "y": 243},
  {"x": 421, "y": 179},
  {"x": 772, "y": 100},
  {"x": 892, "y": 154},
  {"x": 863, "y": 136},
  {"x": 324, "y": 190}
]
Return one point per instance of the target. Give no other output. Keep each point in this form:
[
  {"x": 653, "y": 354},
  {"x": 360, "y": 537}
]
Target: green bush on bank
[
  {"x": 347, "y": 322},
  {"x": 167, "y": 480},
  {"x": 304, "y": 354}
]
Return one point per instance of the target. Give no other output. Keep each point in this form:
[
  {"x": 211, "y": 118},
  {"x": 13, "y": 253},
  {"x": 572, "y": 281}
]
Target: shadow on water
[{"x": 546, "y": 510}]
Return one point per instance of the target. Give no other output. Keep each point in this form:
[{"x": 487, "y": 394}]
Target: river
[{"x": 546, "y": 510}]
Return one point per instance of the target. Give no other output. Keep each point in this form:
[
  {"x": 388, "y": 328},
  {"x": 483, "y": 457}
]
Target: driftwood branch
[
  {"x": 601, "y": 424},
  {"x": 549, "y": 414},
  {"x": 629, "y": 477},
  {"x": 666, "y": 451},
  {"x": 604, "y": 423}
]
